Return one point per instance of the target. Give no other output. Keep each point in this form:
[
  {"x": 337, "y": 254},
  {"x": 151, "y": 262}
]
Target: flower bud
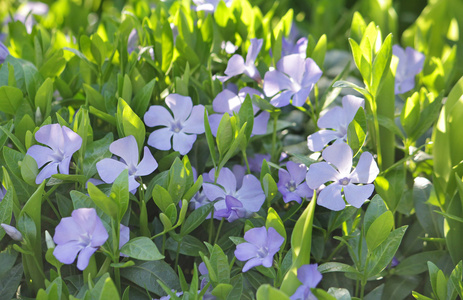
[
  {"x": 49, "y": 240},
  {"x": 12, "y": 232}
]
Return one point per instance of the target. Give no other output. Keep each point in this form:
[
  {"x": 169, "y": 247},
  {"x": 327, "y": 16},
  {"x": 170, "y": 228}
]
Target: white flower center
[{"x": 262, "y": 252}]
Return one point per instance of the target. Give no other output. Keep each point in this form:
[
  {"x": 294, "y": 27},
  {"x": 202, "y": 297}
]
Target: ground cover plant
[{"x": 231, "y": 149}]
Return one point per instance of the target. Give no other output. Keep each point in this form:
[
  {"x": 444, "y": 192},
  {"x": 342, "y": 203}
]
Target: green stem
[
  {"x": 117, "y": 276},
  {"x": 218, "y": 231},
  {"x": 177, "y": 255},
  {"x": 377, "y": 133}
]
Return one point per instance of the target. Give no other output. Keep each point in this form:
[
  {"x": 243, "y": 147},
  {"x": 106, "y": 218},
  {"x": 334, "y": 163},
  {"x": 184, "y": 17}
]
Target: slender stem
[
  {"x": 274, "y": 136},
  {"x": 117, "y": 276},
  {"x": 246, "y": 161},
  {"x": 218, "y": 231},
  {"x": 177, "y": 255},
  {"x": 340, "y": 245},
  {"x": 377, "y": 133}
]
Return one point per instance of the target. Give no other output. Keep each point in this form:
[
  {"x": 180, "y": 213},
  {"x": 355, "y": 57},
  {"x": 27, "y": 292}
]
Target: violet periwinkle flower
[
  {"x": 291, "y": 183},
  {"x": 288, "y": 47},
  {"x": 255, "y": 162},
  {"x": 338, "y": 118},
  {"x": 236, "y": 65},
  {"x": 309, "y": 276},
  {"x": 228, "y": 101},
  {"x": 12, "y": 232},
  {"x": 410, "y": 64},
  {"x": 62, "y": 143},
  {"x": 294, "y": 77},
  {"x": 187, "y": 122},
  {"x": 260, "y": 248},
  {"x": 355, "y": 184},
  {"x": 250, "y": 195},
  {"x": 3, "y": 53},
  {"x": 127, "y": 149},
  {"x": 82, "y": 233},
  {"x": 25, "y": 14}
]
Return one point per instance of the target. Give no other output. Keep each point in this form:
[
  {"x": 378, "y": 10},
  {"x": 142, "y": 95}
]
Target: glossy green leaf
[
  {"x": 142, "y": 248},
  {"x": 379, "y": 230},
  {"x": 10, "y": 99}
]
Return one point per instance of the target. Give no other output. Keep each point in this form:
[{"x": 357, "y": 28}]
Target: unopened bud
[
  {"x": 49, "y": 240},
  {"x": 12, "y": 232}
]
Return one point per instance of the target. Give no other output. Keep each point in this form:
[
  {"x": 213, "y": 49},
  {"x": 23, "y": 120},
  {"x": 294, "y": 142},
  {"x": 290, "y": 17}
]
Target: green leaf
[
  {"x": 95, "y": 152},
  {"x": 222, "y": 290},
  {"x": 270, "y": 187},
  {"x": 29, "y": 170},
  {"x": 10, "y": 99},
  {"x": 120, "y": 193},
  {"x": 455, "y": 279},
  {"x": 375, "y": 209},
  {"x": 390, "y": 187},
  {"x": 234, "y": 146},
  {"x": 273, "y": 220},
  {"x": 224, "y": 135},
  {"x": 383, "y": 254},
  {"x": 319, "y": 52},
  {"x": 109, "y": 290},
  {"x": 363, "y": 63},
  {"x": 142, "y": 248},
  {"x": 356, "y": 131},
  {"x": 381, "y": 64},
  {"x": 142, "y": 99},
  {"x": 94, "y": 98},
  {"x": 410, "y": 114},
  {"x": 268, "y": 292},
  {"x": 189, "y": 245},
  {"x": 162, "y": 198},
  {"x": 379, "y": 230},
  {"x": 209, "y": 138},
  {"x": 10, "y": 281},
  {"x": 130, "y": 123},
  {"x": 416, "y": 263},
  {"x": 6, "y": 212},
  {"x": 219, "y": 263},
  {"x": 102, "y": 201},
  {"x": 196, "y": 218},
  {"x": 44, "y": 97},
  {"x": 347, "y": 84}
]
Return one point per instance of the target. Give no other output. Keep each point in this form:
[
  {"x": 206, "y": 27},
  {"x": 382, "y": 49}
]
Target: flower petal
[
  {"x": 64, "y": 165},
  {"x": 124, "y": 235},
  {"x": 228, "y": 180},
  {"x": 47, "y": 171},
  {"x": 157, "y": 116},
  {"x": 356, "y": 195},
  {"x": 330, "y": 197},
  {"x": 72, "y": 141},
  {"x": 304, "y": 191},
  {"x": 245, "y": 251},
  {"x": 226, "y": 101},
  {"x": 127, "y": 149},
  {"x": 180, "y": 106},
  {"x": 281, "y": 99},
  {"x": 320, "y": 173},
  {"x": 109, "y": 169},
  {"x": 350, "y": 106},
  {"x": 292, "y": 65},
  {"x": 66, "y": 231},
  {"x": 253, "y": 262},
  {"x": 260, "y": 123},
  {"x": 257, "y": 236},
  {"x": 340, "y": 155},
  {"x": 251, "y": 194},
  {"x": 333, "y": 118},
  {"x": 235, "y": 66},
  {"x": 253, "y": 51},
  {"x": 309, "y": 275},
  {"x": 312, "y": 73},
  {"x": 195, "y": 123},
  {"x": 147, "y": 165},
  {"x": 366, "y": 170},
  {"x": 318, "y": 140},
  {"x": 84, "y": 257},
  {"x": 66, "y": 253},
  {"x": 275, "y": 81},
  {"x": 183, "y": 142},
  {"x": 41, "y": 154},
  {"x": 161, "y": 139},
  {"x": 274, "y": 240},
  {"x": 301, "y": 96},
  {"x": 213, "y": 191},
  {"x": 214, "y": 122},
  {"x": 51, "y": 135},
  {"x": 297, "y": 171}
]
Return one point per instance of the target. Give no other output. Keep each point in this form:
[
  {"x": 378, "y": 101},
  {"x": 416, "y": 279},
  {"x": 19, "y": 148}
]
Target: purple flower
[
  {"x": 127, "y": 149},
  {"x": 309, "y": 276},
  {"x": 250, "y": 195},
  {"x": 291, "y": 183},
  {"x": 82, "y": 232},
  {"x": 2, "y": 192},
  {"x": 62, "y": 142},
  {"x": 124, "y": 235},
  {"x": 26, "y": 11},
  {"x": 209, "y": 5},
  {"x": 228, "y": 101},
  {"x": 337, "y": 118},
  {"x": 188, "y": 121},
  {"x": 290, "y": 47},
  {"x": 237, "y": 65},
  {"x": 12, "y": 232},
  {"x": 255, "y": 162},
  {"x": 339, "y": 156},
  {"x": 410, "y": 64},
  {"x": 260, "y": 248},
  {"x": 132, "y": 42},
  {"x": 294, "y": 77},
  {"x": 3, "y": 53}
]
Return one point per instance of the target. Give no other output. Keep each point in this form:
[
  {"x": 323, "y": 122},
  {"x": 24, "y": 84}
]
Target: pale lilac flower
[
  {"x": 12, "y": 232},
  {"x": 82, "y": 232},
  {"x": 62, "y": 142},
  {"x": 124, "y": 235},
  {"x": 3, "y": 53},
  {"x": 355, "y": 184},
  {"x": 228, "y": 101},
  {"x": 410, "y": 64},
  {"x": 209, "y": 5},
  {"x": 294, "y": 77},
  {"x": 309, "y": 276},
  {"x": 132, "y": 42},
  {"x": 337, "y": 118},
  {"x": 25, "y": 14},
  {"x": 127, "y": 149},
  {"x": 250, "y": 195},
  {"x": 187, "y": 122},
  {"x": 255, "y": 162},
  {"x": 288, "y": 47},
  {"x": 291, "y": 183},
  {"x": 260, "y": 248},
  {"x": 237, "y": 65}
]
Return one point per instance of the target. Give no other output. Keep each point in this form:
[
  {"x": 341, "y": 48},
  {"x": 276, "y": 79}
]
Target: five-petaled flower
[
  {"x": 126, "y": 148},
  {"x": 260, "y": 248},
  {"x": 337, "y": 118},
  {"x": 187, "y": 122},
  {"x": 227, "y": 101},
  {"x": 410, "y": 64},
  {"x": 243, "y": 199},
  {"x": 236, "y": 65},
  {"x": 291, "y": 183},
  {"x": 343, "y": 178},
  {"x": 309, "y": 276},
  {"x": 82, "y": 232},
  {"x": 62, "y": 142},
  {"x": 294, "y": 77}
]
